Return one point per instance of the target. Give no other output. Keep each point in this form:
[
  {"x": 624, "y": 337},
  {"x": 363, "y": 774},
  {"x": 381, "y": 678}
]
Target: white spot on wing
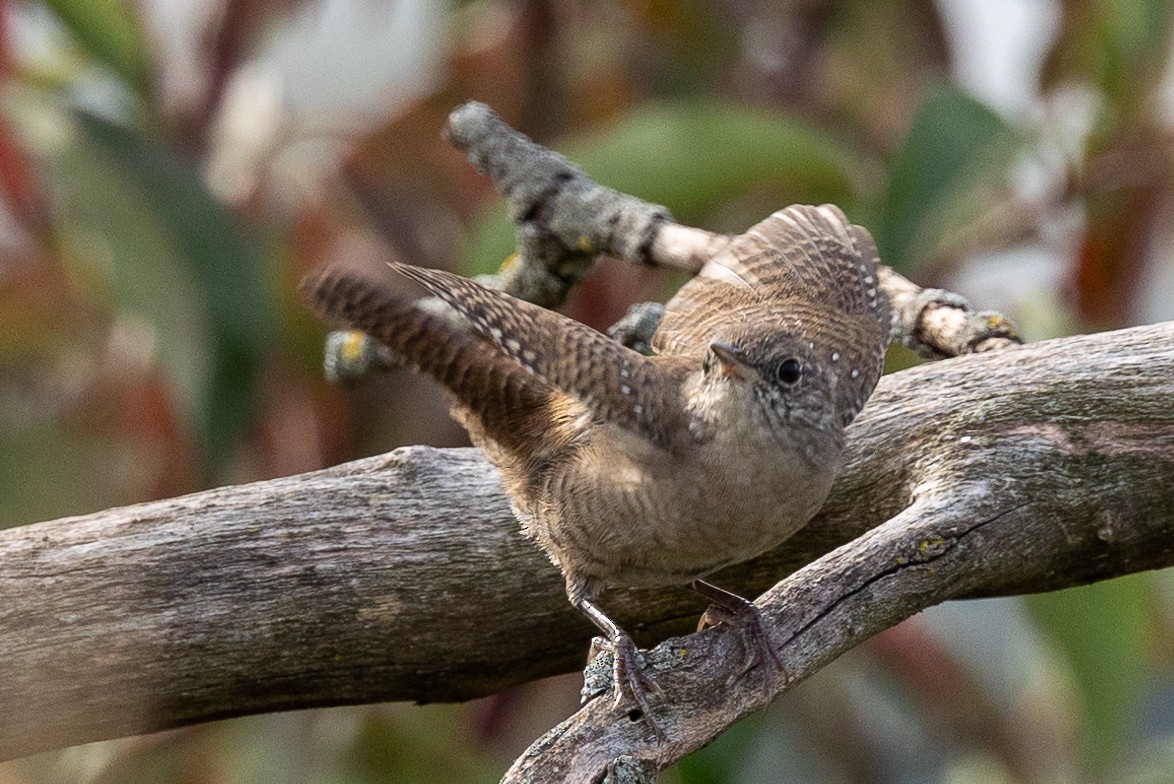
[
  {"x": 785, "y": 216},
  {"x": 837, "y": 223},
  {"x": 715, "y": 270}
]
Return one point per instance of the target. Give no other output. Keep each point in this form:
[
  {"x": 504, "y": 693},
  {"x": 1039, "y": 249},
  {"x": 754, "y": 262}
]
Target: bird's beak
[{"x": 731, "y": 361}]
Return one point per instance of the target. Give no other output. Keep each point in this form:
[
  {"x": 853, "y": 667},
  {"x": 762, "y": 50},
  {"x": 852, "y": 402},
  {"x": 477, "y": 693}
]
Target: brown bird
[{"x": 658, "y": 470}]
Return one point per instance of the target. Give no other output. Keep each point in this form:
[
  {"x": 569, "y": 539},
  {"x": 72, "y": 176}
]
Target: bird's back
[{"x": 806, "y": 270}]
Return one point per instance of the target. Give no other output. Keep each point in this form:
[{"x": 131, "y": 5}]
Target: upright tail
[{"x": 500, "y": 394}]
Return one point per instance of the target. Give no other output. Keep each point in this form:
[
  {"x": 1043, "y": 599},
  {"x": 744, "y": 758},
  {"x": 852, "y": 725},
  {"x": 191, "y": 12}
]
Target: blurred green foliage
[
  {"x": 218, "y": 257},
  {"x": 1106, "y": 633},
  {"x": 951, "y": 167},
  {"x": 108, "y": 32},
  {"x": 167, "y": 174}
]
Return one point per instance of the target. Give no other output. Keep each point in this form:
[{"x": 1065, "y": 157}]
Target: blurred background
[{"x": 169, "y": 169}]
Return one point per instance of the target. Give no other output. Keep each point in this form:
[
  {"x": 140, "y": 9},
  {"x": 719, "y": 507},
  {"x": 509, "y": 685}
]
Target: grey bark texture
[{"x": 404, "y": 577}]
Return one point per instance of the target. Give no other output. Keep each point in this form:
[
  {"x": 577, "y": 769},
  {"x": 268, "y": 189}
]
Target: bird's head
[{"x": 765, "y": 380}]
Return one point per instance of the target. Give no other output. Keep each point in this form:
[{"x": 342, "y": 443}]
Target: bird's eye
[{"x": 790, "y": 371}]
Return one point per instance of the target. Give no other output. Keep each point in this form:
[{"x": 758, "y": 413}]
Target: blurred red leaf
[{"x": 19, "y": 183}]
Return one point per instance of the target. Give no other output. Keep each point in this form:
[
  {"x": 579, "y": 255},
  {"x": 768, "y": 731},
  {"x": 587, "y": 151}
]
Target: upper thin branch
[{"x": 565, "y": 219}]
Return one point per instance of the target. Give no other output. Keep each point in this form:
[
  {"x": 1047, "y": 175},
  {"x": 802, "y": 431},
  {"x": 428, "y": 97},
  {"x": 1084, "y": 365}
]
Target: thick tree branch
[
  {"x": 404, "y": 577},
  {"x": 968, "y": 531}
]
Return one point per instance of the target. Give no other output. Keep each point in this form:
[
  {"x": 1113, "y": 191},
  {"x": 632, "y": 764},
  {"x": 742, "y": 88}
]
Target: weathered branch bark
[{"x": 404, "y": 577}]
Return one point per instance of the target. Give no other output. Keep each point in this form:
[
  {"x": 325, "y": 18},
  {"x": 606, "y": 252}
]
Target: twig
[
  {"x": 565, "y": 219},
  {"x": 938, "y": 324}
]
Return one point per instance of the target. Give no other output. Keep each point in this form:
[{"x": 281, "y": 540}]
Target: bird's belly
[{"x": 645, "y": 520}]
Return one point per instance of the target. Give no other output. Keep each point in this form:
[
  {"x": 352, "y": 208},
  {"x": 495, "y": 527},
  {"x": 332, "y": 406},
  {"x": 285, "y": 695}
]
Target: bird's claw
[
  {"x": 630, "y": 683},
  {"x": 758, "y": 648}
]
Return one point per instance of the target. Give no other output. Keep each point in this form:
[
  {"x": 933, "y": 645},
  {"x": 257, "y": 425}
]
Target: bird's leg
[
  {"x": 629, "y": 678},
  {"x": 734, "y": 610}
]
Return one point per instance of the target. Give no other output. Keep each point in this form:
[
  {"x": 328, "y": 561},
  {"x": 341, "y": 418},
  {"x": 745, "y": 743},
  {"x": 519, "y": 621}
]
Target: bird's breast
[{"x": 633, "y": 513}]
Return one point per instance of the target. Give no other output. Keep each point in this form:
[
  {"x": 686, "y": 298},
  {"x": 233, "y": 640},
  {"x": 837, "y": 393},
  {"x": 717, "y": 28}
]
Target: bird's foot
[
  {"x": 748, "y": 619},
  {"x": 630, "y": 683}
]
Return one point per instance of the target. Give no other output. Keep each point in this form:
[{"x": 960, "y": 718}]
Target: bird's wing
[{"x": 615, "y": 383}]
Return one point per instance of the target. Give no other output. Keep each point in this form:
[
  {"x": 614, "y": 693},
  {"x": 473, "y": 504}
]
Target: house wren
[{"x": 656, "y": 470}]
